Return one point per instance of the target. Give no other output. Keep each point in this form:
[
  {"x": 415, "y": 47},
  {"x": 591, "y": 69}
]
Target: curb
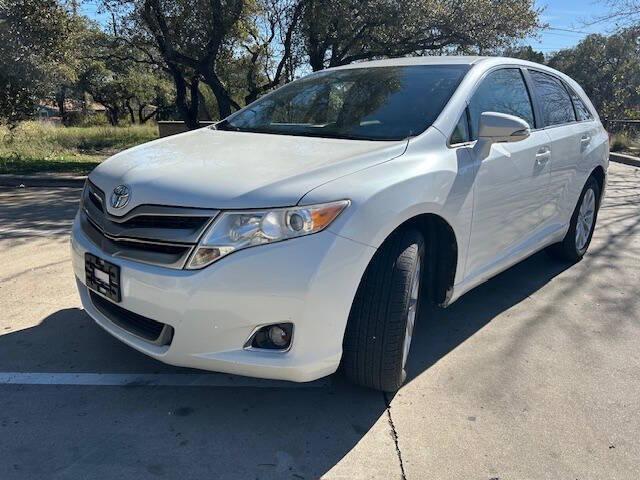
[
  {"x": 43, "y": 180},
  {"x": 626, "y": 159}
]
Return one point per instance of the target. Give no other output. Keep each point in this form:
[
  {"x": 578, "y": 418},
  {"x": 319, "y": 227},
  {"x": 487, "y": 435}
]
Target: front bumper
[{"x": 309, "y": 281}]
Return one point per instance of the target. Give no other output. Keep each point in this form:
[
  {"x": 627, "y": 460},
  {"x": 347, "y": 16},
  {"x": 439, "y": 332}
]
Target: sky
[{"x": 568, "y": 22}]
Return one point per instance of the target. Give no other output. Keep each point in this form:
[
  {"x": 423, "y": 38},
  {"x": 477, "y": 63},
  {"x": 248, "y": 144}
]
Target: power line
[{"x": 559, "y": 29}]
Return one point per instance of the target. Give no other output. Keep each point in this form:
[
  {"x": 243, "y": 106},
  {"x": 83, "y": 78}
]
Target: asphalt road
[{"x": 534, "y": 375}]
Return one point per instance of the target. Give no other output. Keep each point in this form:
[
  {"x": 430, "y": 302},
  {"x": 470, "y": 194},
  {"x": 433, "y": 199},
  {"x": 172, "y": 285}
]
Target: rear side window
[
  {"x": 502, "y": 91},
  {"x": 554, "y": 99},
  {"x": 582, "y": 111}
]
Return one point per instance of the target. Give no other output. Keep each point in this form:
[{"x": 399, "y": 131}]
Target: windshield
[{"x": 379, "y": 103}]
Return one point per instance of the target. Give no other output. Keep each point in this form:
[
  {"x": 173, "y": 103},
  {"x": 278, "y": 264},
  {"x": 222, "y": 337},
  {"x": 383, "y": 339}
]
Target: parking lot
[{"x": 534, "y": 375}]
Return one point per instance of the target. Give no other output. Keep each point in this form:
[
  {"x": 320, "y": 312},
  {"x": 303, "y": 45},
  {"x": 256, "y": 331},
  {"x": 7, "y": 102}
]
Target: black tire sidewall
[{"x": 376, "y": 328}]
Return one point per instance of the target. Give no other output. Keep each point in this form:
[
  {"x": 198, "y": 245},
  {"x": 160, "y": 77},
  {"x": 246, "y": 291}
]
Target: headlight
[{"x": 233, "y": 231}]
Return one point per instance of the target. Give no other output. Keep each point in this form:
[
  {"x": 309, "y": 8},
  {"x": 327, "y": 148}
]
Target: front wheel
[
  {"x": 382, "y": 318},
  {"x": 583, "y": 222}
]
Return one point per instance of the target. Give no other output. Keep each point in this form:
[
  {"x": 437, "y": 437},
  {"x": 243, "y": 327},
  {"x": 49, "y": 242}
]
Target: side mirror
[{"x": 500, "y": 128}]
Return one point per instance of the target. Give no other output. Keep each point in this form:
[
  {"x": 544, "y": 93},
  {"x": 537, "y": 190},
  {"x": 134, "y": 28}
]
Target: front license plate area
[{"x": 102, "y": 277}]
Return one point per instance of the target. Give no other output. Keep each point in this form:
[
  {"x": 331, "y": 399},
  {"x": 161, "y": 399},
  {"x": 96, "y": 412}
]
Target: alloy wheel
[
  {"x": 586, "y": 216},
  {"x": 411, "y": 313}
]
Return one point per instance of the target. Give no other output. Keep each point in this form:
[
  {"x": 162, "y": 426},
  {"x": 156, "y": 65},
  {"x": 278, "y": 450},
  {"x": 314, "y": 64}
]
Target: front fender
[{"x": 423, "y": 181}]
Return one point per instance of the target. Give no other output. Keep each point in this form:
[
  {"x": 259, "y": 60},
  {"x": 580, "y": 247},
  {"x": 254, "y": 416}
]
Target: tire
[
  {"x": 380, "y": 325},
  {"x": 577, "y": 240}
]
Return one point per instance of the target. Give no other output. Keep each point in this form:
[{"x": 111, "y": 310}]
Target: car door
[
  {"x": 511, "y": 188},
  {"x": 567, "y": 140}
]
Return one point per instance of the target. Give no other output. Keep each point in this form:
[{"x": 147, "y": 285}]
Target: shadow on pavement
[
  {"x": 441, "y": 330},
  {"x": 26, "y": 212},
  {"x": 193, "y": 432},
  {"x": 148, "y": 432}
]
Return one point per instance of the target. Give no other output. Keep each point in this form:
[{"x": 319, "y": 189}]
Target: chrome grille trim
[{"x": 163, "y": 235}]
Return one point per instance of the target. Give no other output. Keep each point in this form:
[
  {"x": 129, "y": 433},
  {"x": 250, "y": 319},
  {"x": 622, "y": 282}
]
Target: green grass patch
[
  {"x": 39, "y": 147},
  {"x": 625, "y": 143}
]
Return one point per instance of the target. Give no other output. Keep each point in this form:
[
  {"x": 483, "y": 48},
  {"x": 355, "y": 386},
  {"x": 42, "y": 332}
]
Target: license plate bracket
[{"x": 102, "y": 277}]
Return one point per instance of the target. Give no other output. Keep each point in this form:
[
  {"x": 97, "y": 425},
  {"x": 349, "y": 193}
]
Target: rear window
[
  {"x": 556, "y": 104},
  {"x": 379, "y": 103},
  {"x": 582, "y": 111}
]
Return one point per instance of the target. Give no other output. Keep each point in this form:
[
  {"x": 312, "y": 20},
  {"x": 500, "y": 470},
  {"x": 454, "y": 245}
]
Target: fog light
[
  {"x": 278, "y": 336},
  {"x": 272, "y": 337}
]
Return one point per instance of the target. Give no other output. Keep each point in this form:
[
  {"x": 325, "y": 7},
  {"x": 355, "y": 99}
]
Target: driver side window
[{"x": 502, "y": 91}]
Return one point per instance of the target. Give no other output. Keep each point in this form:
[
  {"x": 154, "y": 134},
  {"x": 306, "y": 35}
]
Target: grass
[
  {"x": 625, "y": 143},
  {"x": 35, "y": 147}
]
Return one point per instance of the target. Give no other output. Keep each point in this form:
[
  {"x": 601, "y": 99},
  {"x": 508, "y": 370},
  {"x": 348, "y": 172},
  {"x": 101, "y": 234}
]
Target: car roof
[
  {"x": 426, "y": 60},
  {"x": 438, "y": 60}
]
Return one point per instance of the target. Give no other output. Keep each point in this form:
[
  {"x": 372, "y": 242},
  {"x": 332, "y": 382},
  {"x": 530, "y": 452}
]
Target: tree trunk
[
  {"x": 316, "y": 60},
  {"x": 194, "y": 94},
  {"x": 141, "y": 118},
  {"x": 189, "y": 117},
  {"x": 225, "y": 103},
  {"x": 113, "y": 114},
  {"x": 145, "y": 118},
  {"x": 61, "y": 96},
  {"x": 132, "y": 117}
]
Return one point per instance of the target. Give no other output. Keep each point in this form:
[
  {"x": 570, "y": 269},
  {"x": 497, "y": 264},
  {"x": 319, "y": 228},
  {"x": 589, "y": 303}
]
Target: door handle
[
  {"x": 585, "y": 139},
  {"x": 543, "y": 156}
]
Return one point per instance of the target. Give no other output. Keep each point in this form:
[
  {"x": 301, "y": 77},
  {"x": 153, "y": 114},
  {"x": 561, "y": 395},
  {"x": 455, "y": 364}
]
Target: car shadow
[
  {"x": 141, "y": 431},
  {"x": 266, "y": 432},
  {"x": 29, "y": 212}
]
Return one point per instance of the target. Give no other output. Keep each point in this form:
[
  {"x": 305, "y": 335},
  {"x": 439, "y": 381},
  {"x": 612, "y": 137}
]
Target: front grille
[
  {"x": 154, "y": 234},
  {"x": 163, "y": 254},
  {"x": 96, "y": 201},
  {"x": 149, "y": 221},
  {"x": 142, "y": 327}
]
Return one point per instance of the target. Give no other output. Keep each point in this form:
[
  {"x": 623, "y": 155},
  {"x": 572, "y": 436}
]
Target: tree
[
  {"x": 237, "y": 50},
  {"x": 608, "y": 70},
  {"x": 271, "y": 33},
  {"x": 188, "y": 38},
  {"x": 626, "y": 13},
  {"x": 64, "y": 72},
  {"x": 122, "y": 83},
  {"x": 338, "y": 32},
  {"x": 33, "y": 44},
  {"x": 524, "y": 53}
]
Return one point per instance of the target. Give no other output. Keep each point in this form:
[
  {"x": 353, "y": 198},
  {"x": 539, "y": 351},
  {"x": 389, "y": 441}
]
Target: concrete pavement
[{"x": 534, "y": 375}]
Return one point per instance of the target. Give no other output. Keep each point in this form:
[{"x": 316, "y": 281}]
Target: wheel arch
[
  {"x": 599, "y": 175},
  {"x": 442, "y": 254}
]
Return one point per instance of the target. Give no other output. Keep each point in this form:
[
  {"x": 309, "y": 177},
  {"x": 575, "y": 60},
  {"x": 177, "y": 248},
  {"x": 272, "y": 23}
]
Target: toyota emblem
[{"x": 120, "y": 196}]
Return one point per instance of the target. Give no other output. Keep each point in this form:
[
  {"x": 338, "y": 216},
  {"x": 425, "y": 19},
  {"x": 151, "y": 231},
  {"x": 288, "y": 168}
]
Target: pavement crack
[
  {"x": 394, "y": 433},
  {"x": 33, "y": 269}
]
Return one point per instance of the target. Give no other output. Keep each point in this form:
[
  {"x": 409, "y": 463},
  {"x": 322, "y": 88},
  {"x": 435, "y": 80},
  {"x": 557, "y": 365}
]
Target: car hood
[{"x": 207, "y": 168}]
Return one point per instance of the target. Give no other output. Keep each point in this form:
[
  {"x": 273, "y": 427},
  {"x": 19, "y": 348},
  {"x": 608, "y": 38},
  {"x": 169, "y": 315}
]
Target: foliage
[
  {"x": 338, "y": 32},
  {"x": 608, "y": 70},
  {"x": 36, "y": 146},
  {"x": 122, "y": 85},
  {"x": 202, "y": 56},
  {"x": 33, "y": 46},
  {"x": 187, "y": 39},
  {"x": 625, "y": 142},
  {"x": 242, "y": 48},
  {"x": 625, "y": 13},
  {"x": 271, "y": 45},
  {"x": 524, "y": 53}
]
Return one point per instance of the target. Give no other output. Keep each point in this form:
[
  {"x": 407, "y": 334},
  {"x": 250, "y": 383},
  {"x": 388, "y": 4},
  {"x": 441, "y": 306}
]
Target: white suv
[{"x": 301, "y": 233}]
